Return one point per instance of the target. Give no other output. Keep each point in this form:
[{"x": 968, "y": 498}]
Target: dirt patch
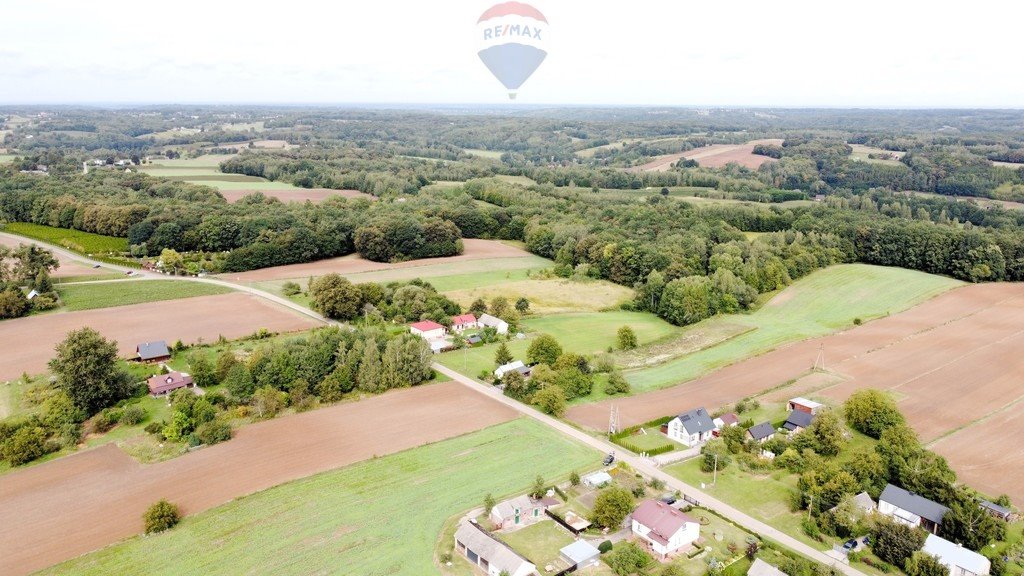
[
  {"x": 29, "y": 342},
  {"x": 353, "y": 263},
  {"x": 67, "y": 507},
  {"x": 951, "y": 361},
  {"x": 314, "y": 195},
  {"x": 68, "y": 267}
]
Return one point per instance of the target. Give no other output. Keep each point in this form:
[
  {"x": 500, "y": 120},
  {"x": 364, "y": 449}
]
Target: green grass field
[
  {"x": 381, "y": 516},
  {"x": 863, "y": 153},
  {"x": 819, "y": 304},
  {"x": 492, "y": 154},
  {"x": 106, "y": 295},
  {"x": 5, "y": 158},
  {"x": 74, "y": 240}
]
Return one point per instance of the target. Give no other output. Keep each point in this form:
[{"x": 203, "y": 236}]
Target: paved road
[
  {"x": 147, "y": 275},
  {"x": 645, "y": 467}
]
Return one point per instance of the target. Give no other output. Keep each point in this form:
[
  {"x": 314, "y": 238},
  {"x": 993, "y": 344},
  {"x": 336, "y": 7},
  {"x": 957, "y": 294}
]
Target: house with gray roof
[
  {"x": 761, "y": 433},
  {"x": 152, "y": 352},
  {"x": 488, "y": 553},
  {"x": 797, "y": 421},
  {"x": 691, "y": 428},
  {"x": 1001, "y": 512},
  {"x": 911, "y": 509}
]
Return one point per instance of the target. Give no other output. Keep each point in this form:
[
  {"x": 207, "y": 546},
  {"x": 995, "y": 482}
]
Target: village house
[
  {"x": 691, "y": 428},
  {"x": 727, "y": 420},
  {"x": 167, "y": 383},
  {"x": 428, "y": 330},
  {"x": 1001, "y": 512},
  {"x": 665, "y": 529},
  {"x": 463, "y": 322},
  {"x": 151, "y": 352},
  {"x": 804, "y": 405},
  {"x": 514, "y": 366},
  {"x": 761, "y": 433},
  {"x": 911, "y": 509},
  {"x": 960, "y": 561},
  {"x": 520, "y": 511},
  {"x": 488, "y": 554},
  {"x": 488, "y": 321},
  {"x": 798, "y": 421}
]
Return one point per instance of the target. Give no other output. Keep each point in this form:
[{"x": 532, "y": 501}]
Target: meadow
[
  {"x": 550, "y": 296},
  {"x": 76, "y": 297},
  {"x": 74, "y": 240},
  {"x": 382, "y": 515}
]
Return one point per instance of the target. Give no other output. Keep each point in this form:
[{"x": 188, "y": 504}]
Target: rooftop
[
  {"x": 798, "y": 419},
  {"x": 951, "y": 555},
  {"x": 579, "y": 551},
  {"x": 805, "y": 402},
  {"x": 490, "y": 548},
  {"x": 151, "y": 350},
  {"x": 663, "y": 520},
  {"x": 762, "y": 430},
  {"x": 697, "y": 421},
  {"x": 426, "y": 325},
  {"x": 913, "y": 503}
]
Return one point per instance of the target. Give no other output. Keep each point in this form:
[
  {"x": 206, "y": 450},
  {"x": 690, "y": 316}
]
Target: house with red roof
[
  {"x": 666, "y": 530},
  {"x": 464, "y": 322},
  {"x": 167, "y": 383},
  {"x": 428, "y": 330}
]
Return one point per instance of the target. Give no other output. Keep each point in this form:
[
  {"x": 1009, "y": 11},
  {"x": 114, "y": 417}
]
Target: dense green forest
[{"x": 554, "y": 179}]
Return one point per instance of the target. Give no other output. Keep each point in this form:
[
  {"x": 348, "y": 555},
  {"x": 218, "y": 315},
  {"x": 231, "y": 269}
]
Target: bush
[
  {"x": 154, "y": 428},
  {"x": 574, "y": 478},
  {"x": 212, "y": 432},
  {"x": 629, "y": 559},
  {"x": 24, "y": 446},
  {"x": 133, "y": 415},
  {"x": 161, "y": 516},
  {"x": 291, "y": 289},
  {"x": 106, "y": 420},
  {"x": 605, "y": 547}
]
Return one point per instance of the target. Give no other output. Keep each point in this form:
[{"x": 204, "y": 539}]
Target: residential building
[
  {"x": 664, "y": 528},
  {"x": 489, "y": 554},
  {"x": 488, "y": 321},
  {"x": 152, "y": 352},
  {"x": 911, "y": 509},
  {"x": 960, "y": 561},
  {"x": 463, "y": 322},
  {"x": 167, "y": 383},
  {"x": 428, "y": 329},
  {"x": 798, "y": 421},
  {"x": 761, "y": 433},
  {"x": 691, "y": 428},
  {"x": 520, "y": 511},
  {"x": 727, "y": 420}
]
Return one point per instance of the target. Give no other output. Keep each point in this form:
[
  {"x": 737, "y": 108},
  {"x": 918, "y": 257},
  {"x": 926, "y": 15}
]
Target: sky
[{"x": 787, "y": 53}]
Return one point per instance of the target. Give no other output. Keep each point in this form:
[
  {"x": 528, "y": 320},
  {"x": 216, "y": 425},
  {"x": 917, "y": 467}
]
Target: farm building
[
  {"x": 727, "y": 420},
  {"x": 804, "y": 405},
  {"x": 911, "y": 509},
  {"x": 488, "y": 321},
  {"x": 665, "y": 529},
  {"x": 761, "y": 433},
  {"x": 691, "y": 428},
  {"x": 597, "y": 479},
  {"x": 516, "y": 366},
  {"x": 152, "y": 352},
  {"x": 762, "y": 568},
  {"x": 581, "y": 554},
  {"x": 520, "y": 511},
  {"x": 1001, "y": 512},
  {"x": 167, "y": 383},
  {"x": 463, "y": 322},
  {"x": 485, "y": 552},
  {"x": 474, "y": 339},
  {"x": 797, "y": 421},
  {"x": 960, "y": 561},
  {"x": 428, "y": 330}
]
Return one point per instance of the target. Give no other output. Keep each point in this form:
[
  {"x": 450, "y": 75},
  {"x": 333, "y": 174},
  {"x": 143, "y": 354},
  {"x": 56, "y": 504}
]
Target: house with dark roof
[
  {"x": 691, "y": 428},
  {"x": 797, "y": 421},
  {"x": 911, "y": 509},
  {"x": 488, "y": 553},
  {"x": 167, "y": 383},
  {"x": 1001, "y": 512},
  {"x": 666, "y": 530},
  {"x": 152, "y": 352},
  {"x": 761, "y": 433}
]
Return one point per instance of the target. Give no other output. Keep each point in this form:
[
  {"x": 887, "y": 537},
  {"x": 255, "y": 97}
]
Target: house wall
[
  {"x": 898, "y": 514},
  {"x": 687, "y": 535},
  {"x": 678, "y": 433},
  {"x": 429, "y": 334}
]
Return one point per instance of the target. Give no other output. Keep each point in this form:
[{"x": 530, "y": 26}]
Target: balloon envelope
[{"x": 512, "y": 39}]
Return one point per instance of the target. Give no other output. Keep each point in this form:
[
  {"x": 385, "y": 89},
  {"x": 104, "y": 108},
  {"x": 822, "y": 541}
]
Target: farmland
[
  {"x": 74, "y": 240},
  {"x": 205, "y": 171},
  {"x": 29, "y": 341},
  {"x": 864, "y": 153},
  {"x": 714, "y": 156},
  {"x": 551, "y": 296},
  {"x": 312, "y": 526},
  {"x": 76, "y": 297},
  {"x": 288, "y": 193},
  {"x": 69, "y": 269}
]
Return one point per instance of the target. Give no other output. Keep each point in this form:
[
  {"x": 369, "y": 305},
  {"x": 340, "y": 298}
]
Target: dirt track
[
  {"x": 28, "y": 343},
  {"x": 315, "y": 195},
  {"x": 64, "y": 508},
  {"x": 68, "y": 267},
  {"x": 951, "y": 361},
  {"x": 353, "y": 263}
]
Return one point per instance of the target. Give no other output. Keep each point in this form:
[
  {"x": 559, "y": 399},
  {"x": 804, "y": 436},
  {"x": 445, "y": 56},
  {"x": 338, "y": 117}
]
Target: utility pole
[
  {"x": 810, "y": 506},
  {"x": 714, "y": 481}
]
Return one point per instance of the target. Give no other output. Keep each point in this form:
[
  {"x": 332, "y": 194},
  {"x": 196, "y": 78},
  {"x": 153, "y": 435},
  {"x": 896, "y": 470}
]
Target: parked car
[
  {"x": 850, "y": 544},
  {"x": 609, "y": 459},
  {"x": 95, "y": 265},
  {"x": 668, "y": 499}
]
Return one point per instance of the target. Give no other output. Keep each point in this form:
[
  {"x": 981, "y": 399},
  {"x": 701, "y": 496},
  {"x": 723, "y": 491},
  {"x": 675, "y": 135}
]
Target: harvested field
[
  {"x": 315, "y": 195},
  {"x": 714, "y": 156},
  {"x": 61, "y": 509},
  {"x": 354, "y": 264},
  {"x": 68, "y": 266},
  {"x": 29, "y": 342},
  {"x": 951, "y": 362},
  {"x": 552, "y": 296}
]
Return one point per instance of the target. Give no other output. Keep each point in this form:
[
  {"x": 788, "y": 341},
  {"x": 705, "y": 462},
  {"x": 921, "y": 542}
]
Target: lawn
[
  {"x": 75, "y": 240},
  {"x": 381, "y": 516},
  {"x": 539, "y": 543},
  {"x": 591, "y": 333},
  {"x": 819, "y": 304},
  {"x": 122, "y": 293},
  {"x": 863, "y": 153}
]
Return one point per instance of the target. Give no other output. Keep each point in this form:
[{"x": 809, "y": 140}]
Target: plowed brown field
[{"x": 64, "y": 508}]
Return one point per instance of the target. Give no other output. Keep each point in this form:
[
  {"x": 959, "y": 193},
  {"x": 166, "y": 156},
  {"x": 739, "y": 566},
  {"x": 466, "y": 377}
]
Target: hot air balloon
[{"x": 512, "y": 39}]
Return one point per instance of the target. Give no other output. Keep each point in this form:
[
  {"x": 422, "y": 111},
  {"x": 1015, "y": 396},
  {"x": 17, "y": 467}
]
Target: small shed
[
  {"x": 152, "y": 352},
  {"x": 515, "y": 365},
  {"x": 597, "y": 479},
  {"x": 1001, "y": 512},
  {"x": 804, "y": 405},
  {"x": 581, "y": 554}
]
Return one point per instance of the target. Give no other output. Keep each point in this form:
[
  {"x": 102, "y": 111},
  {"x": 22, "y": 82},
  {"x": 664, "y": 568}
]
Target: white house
[
  {"x": 464, "y": 322},
  {"x": 515, "y": 365},
  {"x": 911, "y": 509},
  {"x": 691, "y": 428},
  {"x": 428, "y": 330},
  {"x": 960, "y": 561},
  {"x": 663, "y": 527},
  {"x": 488, "y": 554},
  {"x": 488, "y": 321},
  {"x": 520, "y": 511}
]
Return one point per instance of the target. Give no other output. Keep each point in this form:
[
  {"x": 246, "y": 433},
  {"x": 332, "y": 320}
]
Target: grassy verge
[
  {"x": 380, "y": 516},
  {"x": 89, "y": 296}
]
